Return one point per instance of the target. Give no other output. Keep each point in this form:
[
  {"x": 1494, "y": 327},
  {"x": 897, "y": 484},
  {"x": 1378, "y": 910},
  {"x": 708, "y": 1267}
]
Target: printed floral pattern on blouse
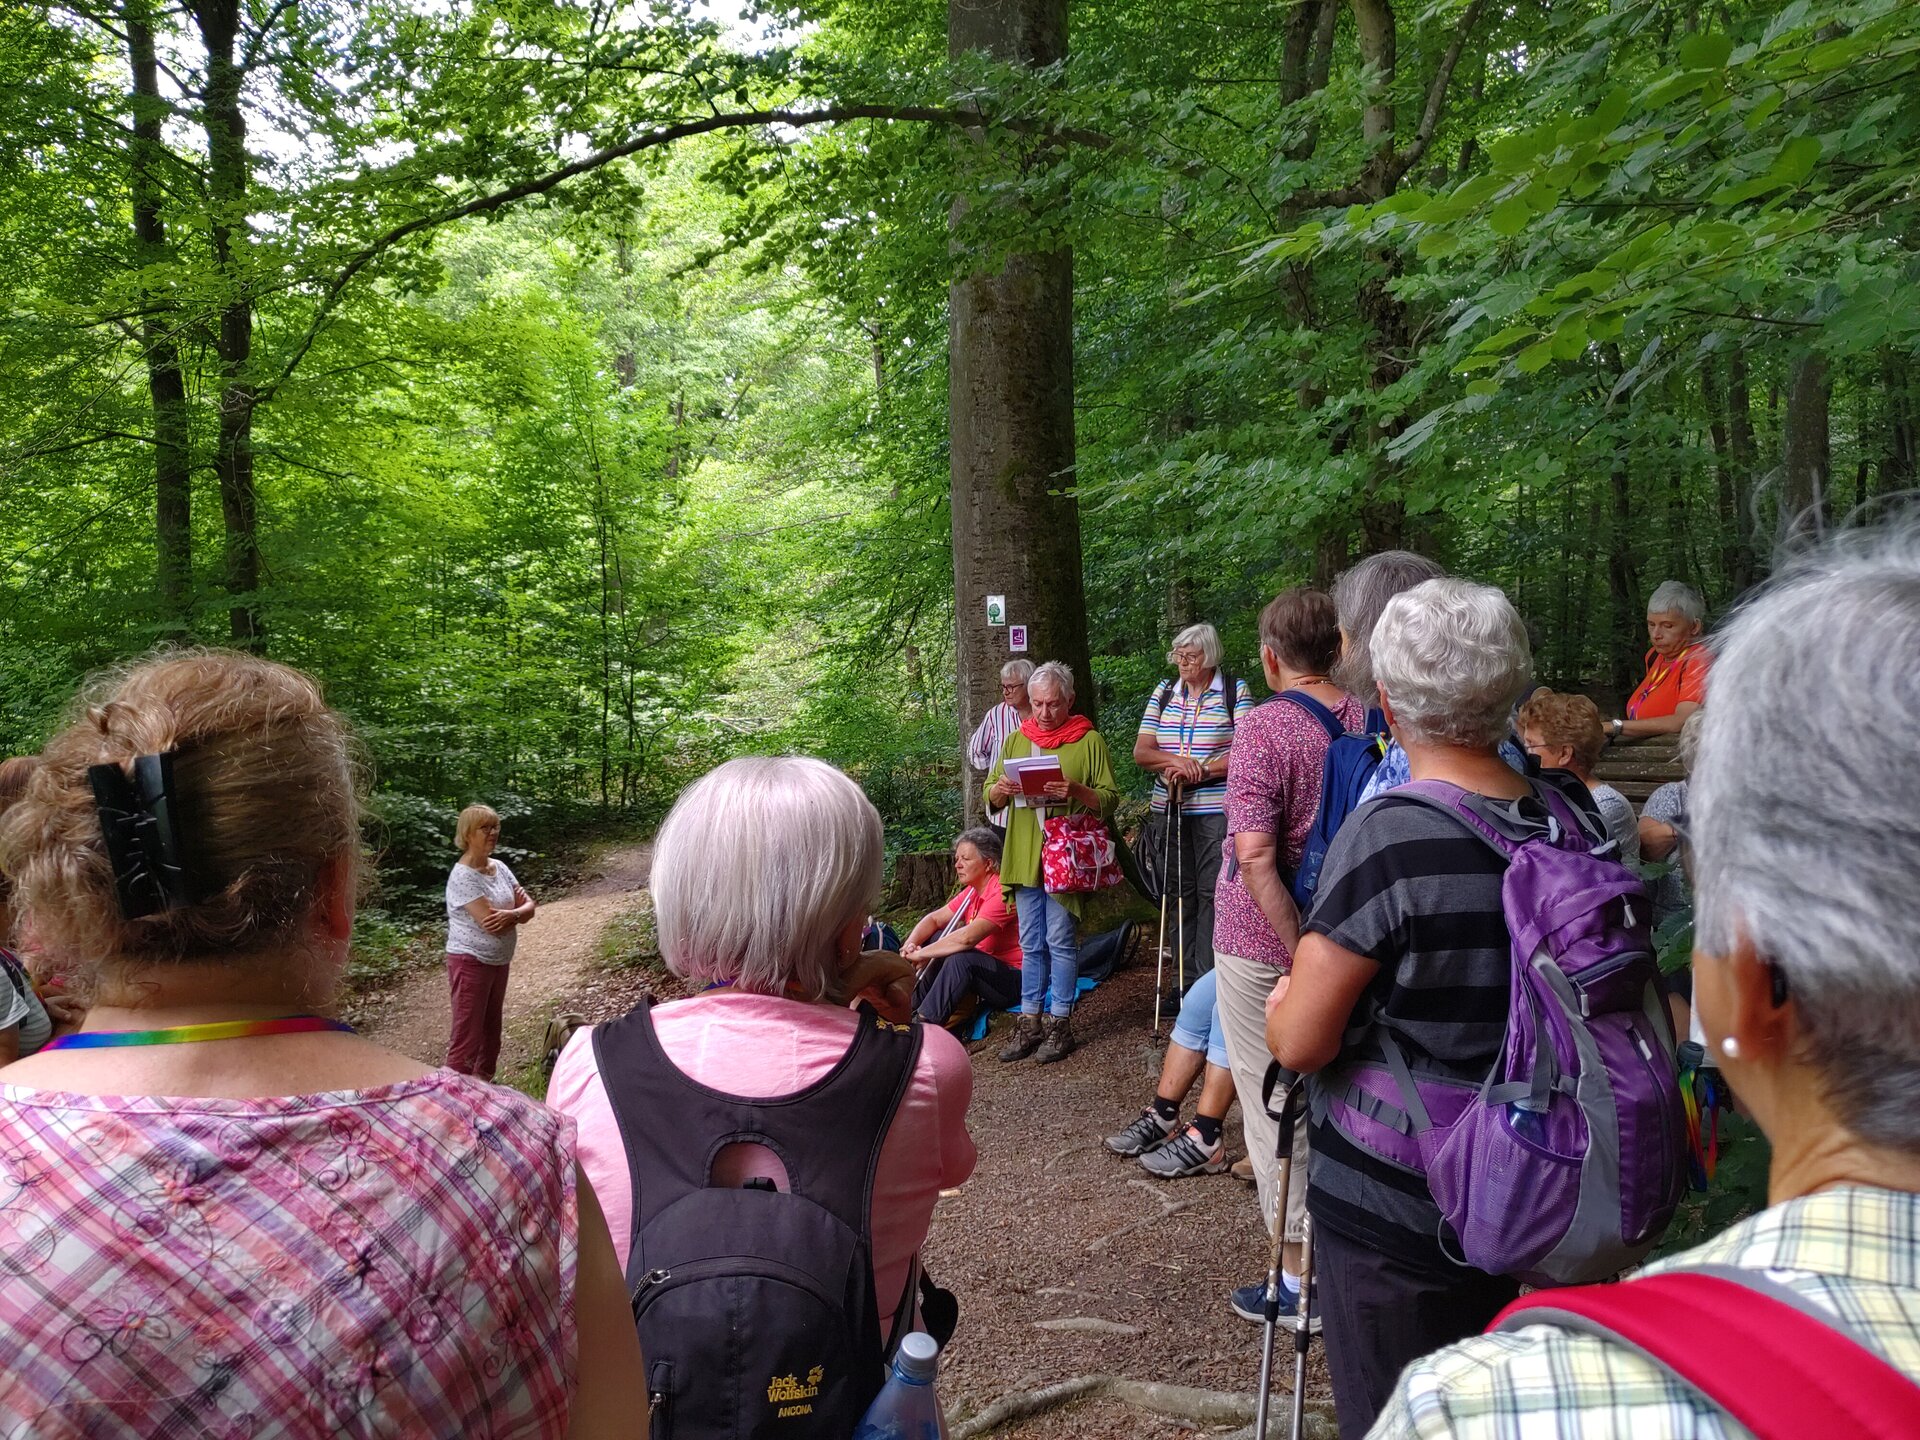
[{"x": 390, "y": 1262}]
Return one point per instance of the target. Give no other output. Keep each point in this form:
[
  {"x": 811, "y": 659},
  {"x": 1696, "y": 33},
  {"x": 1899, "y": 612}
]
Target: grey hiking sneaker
[
  {"x": 1184, "y": 1155},
  {"x": 1024, "y": 1040},
  {"x": 1058, "y": 1043},
  {"x": 1148, "y": 1132}
]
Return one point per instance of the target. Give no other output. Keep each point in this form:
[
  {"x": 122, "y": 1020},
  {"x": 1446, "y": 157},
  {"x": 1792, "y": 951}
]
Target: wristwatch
[{"x": 1619, "y": 728}]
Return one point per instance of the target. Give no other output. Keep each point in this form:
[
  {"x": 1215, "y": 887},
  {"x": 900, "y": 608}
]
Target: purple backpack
[{"x": 1566, "y": 1164}]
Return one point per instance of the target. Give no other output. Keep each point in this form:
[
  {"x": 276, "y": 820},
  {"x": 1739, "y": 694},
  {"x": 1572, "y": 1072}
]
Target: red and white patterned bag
[{"x": 1077, "y": 855}]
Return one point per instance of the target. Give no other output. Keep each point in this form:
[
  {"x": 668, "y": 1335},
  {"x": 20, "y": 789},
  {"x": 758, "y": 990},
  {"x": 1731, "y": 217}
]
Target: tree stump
[{"x": 920, "y": 880}]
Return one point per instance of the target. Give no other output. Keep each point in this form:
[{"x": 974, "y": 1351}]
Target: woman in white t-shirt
[{"x": 485, "y": 907}]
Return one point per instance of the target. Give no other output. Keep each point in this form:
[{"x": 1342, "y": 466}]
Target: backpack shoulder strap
[
  {"x": 1772, "y": 1359},
  {"x": 809, "y": 1130},
  {"x": 1303, "y": 701}
]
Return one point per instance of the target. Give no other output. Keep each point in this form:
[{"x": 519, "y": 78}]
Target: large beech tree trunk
[
  {"x": 1016, "y": 523},
  {"x": 166, "y": 383}
]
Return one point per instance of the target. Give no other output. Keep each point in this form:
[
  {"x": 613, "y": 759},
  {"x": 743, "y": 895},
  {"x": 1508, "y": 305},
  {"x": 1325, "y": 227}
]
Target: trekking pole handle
[{"x": 1293, "y": 1101}]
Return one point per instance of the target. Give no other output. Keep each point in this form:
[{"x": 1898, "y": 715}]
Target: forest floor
[
  {"x": 554, "y": 965},
  {"x": 1067, "y": 1260}
]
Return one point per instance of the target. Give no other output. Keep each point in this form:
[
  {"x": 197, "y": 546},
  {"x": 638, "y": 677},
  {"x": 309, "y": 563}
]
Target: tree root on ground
[{"x": 1176, "y": 1402}]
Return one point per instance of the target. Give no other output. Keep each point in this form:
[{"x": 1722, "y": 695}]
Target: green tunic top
[{"x": 1084, "y": 762}]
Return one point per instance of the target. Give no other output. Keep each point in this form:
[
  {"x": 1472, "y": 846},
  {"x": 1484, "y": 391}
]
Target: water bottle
[
  {"x": 1527, "y": 1124},
  {"x": 907, "y": 1407}
]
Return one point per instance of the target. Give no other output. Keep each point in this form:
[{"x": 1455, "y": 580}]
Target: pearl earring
[{"x": 1730, "y": 1048}]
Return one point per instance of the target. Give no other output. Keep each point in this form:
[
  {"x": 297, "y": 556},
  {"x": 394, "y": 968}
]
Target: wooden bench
[{"x": 1637, "y": 768}]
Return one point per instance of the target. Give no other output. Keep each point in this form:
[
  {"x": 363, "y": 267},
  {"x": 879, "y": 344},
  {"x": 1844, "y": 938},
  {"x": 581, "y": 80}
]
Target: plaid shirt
[{"x": 1853, "y": 1250}]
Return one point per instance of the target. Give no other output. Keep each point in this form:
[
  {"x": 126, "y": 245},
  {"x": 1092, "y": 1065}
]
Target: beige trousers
[{"x": 1244, "y": 986}]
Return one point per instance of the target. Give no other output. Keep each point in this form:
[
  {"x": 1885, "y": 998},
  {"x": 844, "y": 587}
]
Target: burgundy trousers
[{"x": 479, "y": 991}]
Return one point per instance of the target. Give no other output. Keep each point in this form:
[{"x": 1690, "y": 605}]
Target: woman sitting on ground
[
  {"x": 1049, "y": 941},
  {"x": 1809, "y": 997},
  {"x": 485, "y": 909},
  {"x": 236, "y": 1216},
  {"x": 970, "y": 945},
  {"x": 1563, "y": 732},
  {"x": 1408, "y": 927},
  {"x": 763, "y": 875},
  {"x": 1197, "y": 1051},
  {"x": 1675, "y": 684}
]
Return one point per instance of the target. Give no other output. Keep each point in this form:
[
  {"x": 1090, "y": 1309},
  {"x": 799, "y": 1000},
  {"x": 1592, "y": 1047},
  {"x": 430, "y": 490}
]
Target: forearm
[
  {"x": 1259, "y": 858},
  {"x": 1660, "y": 725}
]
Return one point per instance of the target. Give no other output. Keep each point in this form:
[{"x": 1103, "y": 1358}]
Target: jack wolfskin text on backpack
[{"x": 755, "y": 1305}]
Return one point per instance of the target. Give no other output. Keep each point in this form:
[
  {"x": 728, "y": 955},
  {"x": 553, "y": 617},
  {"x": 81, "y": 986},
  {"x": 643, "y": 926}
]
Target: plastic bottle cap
[{"x": 918, "y": 1357}]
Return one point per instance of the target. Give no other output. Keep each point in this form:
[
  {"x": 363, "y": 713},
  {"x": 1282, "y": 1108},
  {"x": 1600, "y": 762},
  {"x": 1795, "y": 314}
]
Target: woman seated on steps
[
  {"x": 225, "y": 1214},
  {"x": 969, "y": 947}
]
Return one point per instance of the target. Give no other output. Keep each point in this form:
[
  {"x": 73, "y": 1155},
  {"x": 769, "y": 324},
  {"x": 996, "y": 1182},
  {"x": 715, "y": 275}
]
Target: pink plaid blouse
[{"x": 395, "y": 1262}]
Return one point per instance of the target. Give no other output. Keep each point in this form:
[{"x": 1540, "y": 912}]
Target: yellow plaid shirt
[{"x": 1853, "y": 1250}]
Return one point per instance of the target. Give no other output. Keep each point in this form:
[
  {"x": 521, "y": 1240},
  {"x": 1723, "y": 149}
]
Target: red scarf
[{"x": 1071, "y": 729}]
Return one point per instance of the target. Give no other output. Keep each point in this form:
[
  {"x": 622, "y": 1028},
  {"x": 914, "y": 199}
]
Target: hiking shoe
[
  {"x": 1024, "y": 1040},
  {"x": 1149, "y": 1132},
  {"x": 1184, "y": 1155},
  {"x": 1058, "y": 1041},
  {"x": 1250, "y": 1303},
  {"x": 1242, "y": 1170}
]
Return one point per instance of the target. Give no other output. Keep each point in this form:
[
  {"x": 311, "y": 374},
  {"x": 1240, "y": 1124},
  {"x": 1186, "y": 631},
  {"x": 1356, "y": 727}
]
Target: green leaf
[
  {"x": 1510, "y": 216},
  {"x": 1535, "y": 357},
  {"x": 1706, "y": 50}
]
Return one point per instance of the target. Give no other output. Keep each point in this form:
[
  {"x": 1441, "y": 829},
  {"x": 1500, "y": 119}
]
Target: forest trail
[{"x": 552, "y": 961}]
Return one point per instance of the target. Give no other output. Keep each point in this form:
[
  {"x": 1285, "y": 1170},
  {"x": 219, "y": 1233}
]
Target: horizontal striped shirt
[
  {"x": 1180, "y": 724},
  {"x": 1851, "y": 1250}
]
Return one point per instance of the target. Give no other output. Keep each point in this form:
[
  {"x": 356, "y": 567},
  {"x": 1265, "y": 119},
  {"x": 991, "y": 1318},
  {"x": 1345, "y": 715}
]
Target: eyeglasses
[
  {"x": 1007, "y": 687},
  {"x": 1185, "y": 657}
]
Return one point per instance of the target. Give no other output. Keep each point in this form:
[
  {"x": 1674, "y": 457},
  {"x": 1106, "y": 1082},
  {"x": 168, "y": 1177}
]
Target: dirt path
[{"x": 553, "y": 961}]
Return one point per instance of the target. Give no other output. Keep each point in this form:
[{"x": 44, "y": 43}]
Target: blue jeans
[
  {"x": 1197, "y": 1027},
  {"x": 1050, "y": 949}
]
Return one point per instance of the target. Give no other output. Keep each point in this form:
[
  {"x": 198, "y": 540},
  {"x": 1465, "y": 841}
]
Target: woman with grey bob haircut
[
  {"x": 763, "y": 875},
  {"x": 1359, "y": 595},
  {"x": 1804, "y": 851}
]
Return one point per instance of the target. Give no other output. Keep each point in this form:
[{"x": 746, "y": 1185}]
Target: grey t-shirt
[
  {"x": 1670, "y": 892},
  {"x": 1617, "y": 811},
  {"x": 465, "y": 935}
]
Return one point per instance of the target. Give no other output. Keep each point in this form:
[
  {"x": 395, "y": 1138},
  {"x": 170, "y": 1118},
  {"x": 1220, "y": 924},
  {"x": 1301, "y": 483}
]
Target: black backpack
[{"x": 755, "y": 1305}]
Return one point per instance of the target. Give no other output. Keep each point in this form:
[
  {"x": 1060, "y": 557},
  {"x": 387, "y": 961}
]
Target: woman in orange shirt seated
[
  {"x": 1676, "y": 680},
  {"x": 973, "y": 937}
]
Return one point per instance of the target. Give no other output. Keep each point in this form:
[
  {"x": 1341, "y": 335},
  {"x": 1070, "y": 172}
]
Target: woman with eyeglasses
[
  {"x": 485, "y": 909},
  {"x": 983, "y": 746}
]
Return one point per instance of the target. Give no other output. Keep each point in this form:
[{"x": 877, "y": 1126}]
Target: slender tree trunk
[
  {"x": 1744, "y": 453},
  {"x": 228, "y": 175},
  {"x": 1806, "y": 462},
  {"x": 1016, "y": 523},
  {"x": 1623, "y": 584},
  {"x": 1901, "y": 462},
  {"x": 166, "y": 383}
]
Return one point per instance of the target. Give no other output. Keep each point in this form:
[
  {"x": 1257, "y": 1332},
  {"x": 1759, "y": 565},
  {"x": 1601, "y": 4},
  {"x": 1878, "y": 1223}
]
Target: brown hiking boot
[
  {"x": 1243, "y": 1169},
  {"x": 1024, "y": 1040},
  {"x": 1059, "y": 1040}
]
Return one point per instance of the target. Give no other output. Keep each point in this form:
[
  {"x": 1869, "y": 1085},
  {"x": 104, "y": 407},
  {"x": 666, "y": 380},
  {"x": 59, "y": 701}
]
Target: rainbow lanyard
[{"x": 186, "y": 1034}]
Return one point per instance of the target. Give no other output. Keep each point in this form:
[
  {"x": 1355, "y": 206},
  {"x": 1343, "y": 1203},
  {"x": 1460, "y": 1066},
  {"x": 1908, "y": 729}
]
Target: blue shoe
[{"x": 1250, "y": 1303}]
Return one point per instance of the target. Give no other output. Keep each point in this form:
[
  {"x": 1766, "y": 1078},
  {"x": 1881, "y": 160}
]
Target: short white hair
[
  {"x": 1452, "y": 657},
  {"x": 1054, "y": 674},
  {"x": 1676, "y": 597},
  {"x": 760, "y": 866},
  {"x": 1802, "y": 826},
  {"x": 1016, "y": 670},
  {"x": 1202, "y": 636}
]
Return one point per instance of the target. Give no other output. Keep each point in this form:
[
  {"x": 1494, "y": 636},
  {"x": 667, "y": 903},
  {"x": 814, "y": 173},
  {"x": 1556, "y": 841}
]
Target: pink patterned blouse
[
  {"x": 1273, "y": 788},
  {"x": 397, "y": 1261}
]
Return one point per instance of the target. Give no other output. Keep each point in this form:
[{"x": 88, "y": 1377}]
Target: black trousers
[
  {"x": 945, "y": 982},
  {"x": 1197, "y": 870},
  {"x": 1379, "y": 1313}
]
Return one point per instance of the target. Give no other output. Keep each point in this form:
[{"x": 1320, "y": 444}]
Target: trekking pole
[
  {"x": 1286, "y": 1117},
  {"x": 1160, "y": 949},
  {"x": 1180, "y": 890},
  {"x": 1303, "y": 1328}
]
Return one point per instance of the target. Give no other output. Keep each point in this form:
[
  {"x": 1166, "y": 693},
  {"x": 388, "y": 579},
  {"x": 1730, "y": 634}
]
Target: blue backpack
[{"x": 1352, "y": 757}]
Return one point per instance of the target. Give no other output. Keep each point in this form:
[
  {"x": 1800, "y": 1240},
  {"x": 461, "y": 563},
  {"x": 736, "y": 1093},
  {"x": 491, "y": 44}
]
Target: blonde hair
[
  {"x": 265, "y": 800},
  {"x": 1570, "y": 720},
  {"x": 469, "y": 818}
]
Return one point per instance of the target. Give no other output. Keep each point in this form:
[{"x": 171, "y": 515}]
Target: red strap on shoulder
[{"x": 1782, "y": 1373}]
